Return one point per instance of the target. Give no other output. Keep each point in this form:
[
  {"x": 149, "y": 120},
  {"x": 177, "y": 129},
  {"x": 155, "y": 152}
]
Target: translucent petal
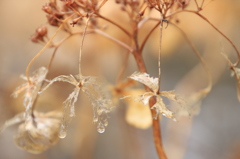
[
  {"x": 32, "y": 88},
  {"x": 69, "y": 111},
  {"x": 62, "y": 78}
]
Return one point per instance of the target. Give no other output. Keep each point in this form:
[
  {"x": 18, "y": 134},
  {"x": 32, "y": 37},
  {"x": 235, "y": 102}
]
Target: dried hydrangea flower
[
  {"x": 159, "y": 106},
  {"x": 31, "y": 89},
  {"x": 37, "y": 133},
  {"x": 96, "y": 94},
  {"x": 235, "y": 73}
]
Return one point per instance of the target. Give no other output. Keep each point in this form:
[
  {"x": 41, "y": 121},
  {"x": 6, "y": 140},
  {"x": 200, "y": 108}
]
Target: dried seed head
[
  {"x": 47, "y": 8},
  {"x": 42, "y": 31},
  {"x": 39, "y": 133}
]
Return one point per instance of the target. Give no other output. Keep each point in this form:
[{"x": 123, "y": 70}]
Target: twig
[
  {"x": 159, "y": 56},
  {"x": 41, "y": 51},
  {"x": 114, "y": 23},
  {"x": 80, "y": 50},
  {"x": 124, "y": 45}
]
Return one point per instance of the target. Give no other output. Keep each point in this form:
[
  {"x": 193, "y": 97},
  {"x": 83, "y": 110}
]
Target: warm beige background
[{"x": 215, "y": 132}]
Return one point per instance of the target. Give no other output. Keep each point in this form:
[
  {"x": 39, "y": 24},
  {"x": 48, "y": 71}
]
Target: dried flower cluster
[{"x": 40, "y": 131}]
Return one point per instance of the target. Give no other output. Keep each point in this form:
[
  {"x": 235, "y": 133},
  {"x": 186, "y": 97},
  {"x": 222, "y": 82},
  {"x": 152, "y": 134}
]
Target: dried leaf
[
  {"x": 146, "y": 80},
  {"x": 159, "y": 106}
]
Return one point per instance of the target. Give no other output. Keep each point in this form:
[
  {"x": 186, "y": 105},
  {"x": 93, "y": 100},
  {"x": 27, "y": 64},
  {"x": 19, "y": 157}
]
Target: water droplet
[
  {"x": 105, "y": 123},
  {"x": 95, "y": 119},
  {"x": 62, "y": 133},
  {"x": 72, "y": 112},
  {"x": 100, "y": 128}
]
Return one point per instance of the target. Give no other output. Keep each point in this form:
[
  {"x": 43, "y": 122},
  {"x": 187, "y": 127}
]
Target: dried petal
[
  {"x": 161, "y": 108},
  {"x": 62, "y": 78},
  {"x": 97, "y": 95},
  {"x": 146, "y": 80},
  {"x": 69, "y": 111}
]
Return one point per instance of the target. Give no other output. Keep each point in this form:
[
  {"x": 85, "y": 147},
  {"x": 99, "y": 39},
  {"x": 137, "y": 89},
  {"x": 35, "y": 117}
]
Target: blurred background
[{"x": 213, "y": 134}]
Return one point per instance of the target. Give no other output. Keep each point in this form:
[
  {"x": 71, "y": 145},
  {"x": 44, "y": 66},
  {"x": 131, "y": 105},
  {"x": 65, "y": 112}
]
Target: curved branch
[{"x": 220, "y": 32}]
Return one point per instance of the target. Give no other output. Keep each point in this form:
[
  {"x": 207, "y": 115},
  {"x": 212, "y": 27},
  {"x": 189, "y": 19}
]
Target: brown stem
[
  {"x": 230, "y": 41},
  {"x": 41, "y": 51},
  {"x": 157, "y": 132},
  {"x": 155, "y": 122},
  {"x": 159, "y": 57},
  {"x": 196, "y": 4},
  {"x": 147, "y": 37},
  {"x": 124, "y": 67}
]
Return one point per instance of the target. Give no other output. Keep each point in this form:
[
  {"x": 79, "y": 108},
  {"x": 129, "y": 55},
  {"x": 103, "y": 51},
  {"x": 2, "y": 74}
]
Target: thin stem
[
  {"x": 197, "y": 4},
  {"x": 124, "y": 67},
  {"x": 148, "y": 35},
  {"x": 81, "y": 47},
  {"x": 41, "y": 51},
  {"x": 202, "y": 3},
  {"x": 52, "y": 57},
  {"x": 114, "y": 23},
  {"x": 220, "y": 32},
  {"x": 124, "y": 45},
  {"x": 155, "y": 122},
  {"x": 102, "y": 3},
  {"x": 159, "y": 56}
]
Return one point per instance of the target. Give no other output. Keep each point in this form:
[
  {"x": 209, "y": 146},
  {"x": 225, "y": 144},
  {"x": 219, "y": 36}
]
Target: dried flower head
[
  {"x": 159, "y": 106},
  {"x": 37, "y": 133},
  {"x": 235, "y": 73},
  {"x": 97, "y": 95}
]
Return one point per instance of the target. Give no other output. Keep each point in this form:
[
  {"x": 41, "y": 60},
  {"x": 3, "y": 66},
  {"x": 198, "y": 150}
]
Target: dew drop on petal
[{"x": 100, "y": 128}]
